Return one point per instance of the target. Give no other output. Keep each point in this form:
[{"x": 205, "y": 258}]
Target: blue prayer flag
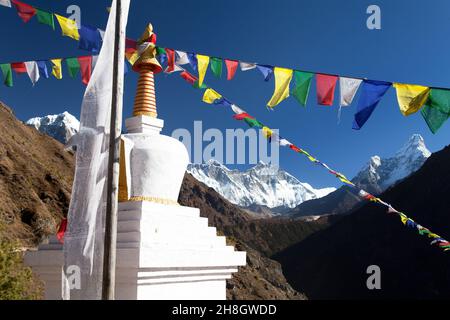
[
  {"x": 42, "y": 66},
  {"x": 90, "y": 39},
  {"x": 267, "y": 71}
]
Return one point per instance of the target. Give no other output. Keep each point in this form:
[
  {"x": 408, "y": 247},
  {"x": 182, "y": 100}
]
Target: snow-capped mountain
[
  {"x": 59, "y": 126},
  {"x": 375, "y": 177},
  {"x": 263, "y": 184},
  {"x": 381, "y": 173}
]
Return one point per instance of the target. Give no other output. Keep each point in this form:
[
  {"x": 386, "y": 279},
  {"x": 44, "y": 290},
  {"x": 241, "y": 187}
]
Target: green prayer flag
[
  {"x": 203, "y": 86},
  {"x": 160, "y": 51},
  {"x": 253, "y": 123},
  {"x": 437, "y": 109},
  {"x": 216, "y": 66},
  {"x": 73, "y": 65},
  {"x": 45, "y": 17},
  {"x": 302, "y": 85},
  {"x": 7, "y": 74}
]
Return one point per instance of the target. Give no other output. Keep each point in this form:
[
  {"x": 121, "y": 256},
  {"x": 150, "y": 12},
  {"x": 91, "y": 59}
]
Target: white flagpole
[{"x": 109, "y": 257}]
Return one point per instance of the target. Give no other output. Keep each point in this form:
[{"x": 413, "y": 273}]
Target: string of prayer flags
[
  {"x": 245, "y": 66},
  {"x": 73, "y": 66},
  {"x": 283, "y": 78},
  {"x": 441, "y": 98},
  {"x": 302, "y": 85},
  {"x": 86, "y": 68},
  {"x": 411, "y": 97},
  {"x": 90, "y": 39},
  {"x": 348, "y": 88},
  {"x": 437, "y": 109},
  {"x": 5, "y": 3},
  {"x": 68, "y": 27},
  {"x": 372, "y": 92},
  {"x": 266, "y": 71},
  {"x": 25, "y": 11},
  {"x": 210, "y": 96},
  {"x": 216, "y": 66},
  {"x": 326, "y": 85},
  {"x": 7, "y": 74},
  {"x": 202, "y": 63},
  {"x": 43, "y": 71},
  {"x": 45, "y": 17},
  {"x": 19, "y": 67},
  {"x": 231, "y": 68},
  {"x": 33, "y": 71},
  {"x": 57, "y": 69}
]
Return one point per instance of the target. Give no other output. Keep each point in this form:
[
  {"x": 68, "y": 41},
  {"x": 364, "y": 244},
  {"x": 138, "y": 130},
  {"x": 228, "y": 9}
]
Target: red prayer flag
[
  {"x": 19, "y": 67},
  {"x": 325, "y": 88},
  {"x": 130, "y": 43},
  {"x": 25, "y": 11},
  {"x": 231, "y": 68},
  {"x": 170, "y": 60},
  {"x": 242, "y": 116},
  {"x": 188, "y": 77},
  {"x": 62, "y": 230},
  {"x": 86, "y": 68},
  {"x": 295, "y": 148}
]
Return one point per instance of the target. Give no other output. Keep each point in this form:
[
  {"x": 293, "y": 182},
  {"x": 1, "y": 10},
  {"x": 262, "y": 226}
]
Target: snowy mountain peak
[
  {"x": 59, "y": 126},
  {"x": 264, "y": 184},
  {"x": 381, "y": 173}
]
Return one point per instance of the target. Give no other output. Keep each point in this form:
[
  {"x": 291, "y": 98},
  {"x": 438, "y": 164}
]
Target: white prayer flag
[
  {"x": 83, "y": 241},
  {"x": 236, "y": 109},
  {"x": 245, "y": 66},
  {"x": 348, "y": 89},
  {"x": 32, "y": 71},
  {"x": 182, "y": 58},
  {"x": 6, "y": 3}
]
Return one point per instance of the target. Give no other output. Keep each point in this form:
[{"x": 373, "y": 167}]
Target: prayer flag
[
  {"x": 192, "y": 60},
  {"x": 266, "y": 71},
  {"x": 231, "y": 68},
  {"x": 437, "y": 109},
  {"x": 326, "y": 85},
  {"x": 302, "y": 85},
  {"x": 19, "y": 67},
  {"x": 25, "y": 11},
  {"x": 7, "y": 74},
  {"x": 372, "y": 92},
  {"x": 181, "y": 58},
  {"x": 86, "y": 68},
  {"x": 73, "y": 66},
  {"x": 348, "y": 88},
  {"x": 56, "y": 69},
  {"x": 90, "y": 39},
  {"x": 188, "y": 77},
  {"x": 6, "y": 3},
  {"x": 43, "y": 72},
  {"x": 202, "y": 62},
  {"x": 45, "y": 17},
  {"x": 68, "y": 27},
  {"x": 33, "y": 71},
  {"x": 245, "y": 66},
  {"x": 411, "y": 97},
  {"x": 170, "y": 60},
  {"x": 283, "y": 78},
  {"x": 216, "y": 66},
  {"x": 210, "y": 96}
]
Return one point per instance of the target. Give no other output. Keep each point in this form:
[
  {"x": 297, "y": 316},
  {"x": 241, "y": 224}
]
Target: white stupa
[{"x": 164, "y": 251}]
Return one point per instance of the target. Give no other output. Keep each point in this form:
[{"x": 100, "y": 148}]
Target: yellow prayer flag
[
  {"x": 132, "y": 57},
  {"x": 202, "y": 64},
  {"x": 57, "y": 70},
  {"x": 283, "y": 78},
  {"x": 69, "y": 27},
  {"x": 411, "y": 97},
  {"x": 210, "y": 96},
  {"x": 267, "y": 132}
]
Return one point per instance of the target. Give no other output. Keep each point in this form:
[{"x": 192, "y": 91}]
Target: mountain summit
[
  {"x": 264, "y": 184},
  {"x": 379, "y": 174},
  {"x": 59, "y": 126},
  {"x": 375, "y": 177}
]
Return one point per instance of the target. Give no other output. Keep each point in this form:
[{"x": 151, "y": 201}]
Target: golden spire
[{"x": 146, "y": 64}]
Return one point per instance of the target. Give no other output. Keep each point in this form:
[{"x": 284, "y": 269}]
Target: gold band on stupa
[{"x": 146, "y": 64}]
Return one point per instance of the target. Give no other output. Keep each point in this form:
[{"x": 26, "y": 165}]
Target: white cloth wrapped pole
[{"x": 83, "y": 243}]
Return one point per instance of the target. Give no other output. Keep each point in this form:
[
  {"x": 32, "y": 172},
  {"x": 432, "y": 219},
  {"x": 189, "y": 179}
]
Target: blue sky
[{"x": 321, "y": 35}]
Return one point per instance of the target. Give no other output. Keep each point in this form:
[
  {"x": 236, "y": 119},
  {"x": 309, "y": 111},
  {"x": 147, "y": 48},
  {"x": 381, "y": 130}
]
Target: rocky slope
[
  {"x": 375, "y": 177},
  {"x": 332, "y": 263},
  {"x": 35, "y": 183}
]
